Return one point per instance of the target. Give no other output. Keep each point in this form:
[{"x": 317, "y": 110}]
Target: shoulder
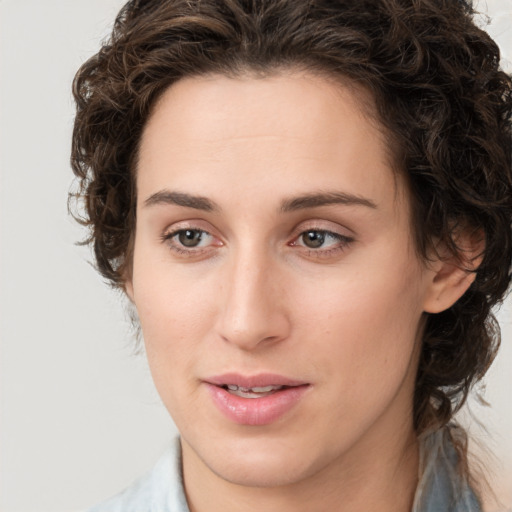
[{"x": 159, "y": 490}]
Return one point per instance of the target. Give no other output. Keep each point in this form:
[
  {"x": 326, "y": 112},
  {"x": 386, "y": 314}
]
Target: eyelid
[
  {"x": 171, "y": 231},
  {"x": 194, "y": 224},
  {"x": 324, "y": 226},
  {"x": 345, "y": 238},
  {"x": 337, "y": 236},
  {"x": 169, "y": 235}
]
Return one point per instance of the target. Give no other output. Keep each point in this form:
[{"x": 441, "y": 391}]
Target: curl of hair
[{"x": 440, "y": 95}]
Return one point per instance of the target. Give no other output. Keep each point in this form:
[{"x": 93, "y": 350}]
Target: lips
[
  {"x": 252, "y": 381},
  {"x": 255, "y": 400}
]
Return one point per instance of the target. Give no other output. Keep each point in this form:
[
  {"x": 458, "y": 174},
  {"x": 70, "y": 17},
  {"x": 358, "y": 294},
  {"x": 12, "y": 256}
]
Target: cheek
[
  {"x": 173, "y": 322},
  {"x": 366, "y": 326},
  {"x": 170, "y": 296},
  {"x": 176, "y": 307}
]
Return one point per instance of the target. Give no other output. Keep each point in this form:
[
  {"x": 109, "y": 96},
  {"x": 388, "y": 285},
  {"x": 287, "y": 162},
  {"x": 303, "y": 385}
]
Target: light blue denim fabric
[
  {"x": 159, "y": 490},
  {"x": 440, "y": 488}
]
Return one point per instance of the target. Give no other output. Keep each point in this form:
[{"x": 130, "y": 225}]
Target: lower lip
[{"x": 256, "y": 411}]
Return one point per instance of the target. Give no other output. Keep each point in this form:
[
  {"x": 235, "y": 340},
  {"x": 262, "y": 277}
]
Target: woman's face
[{"x": 274, "y": 274}]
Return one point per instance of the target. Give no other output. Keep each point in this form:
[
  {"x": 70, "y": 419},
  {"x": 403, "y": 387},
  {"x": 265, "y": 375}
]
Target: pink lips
[{"x": 255, "y": 411}]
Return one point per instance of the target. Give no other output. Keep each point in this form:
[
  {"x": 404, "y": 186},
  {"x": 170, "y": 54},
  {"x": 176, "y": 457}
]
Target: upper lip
[{"x": 252, "y": 381}]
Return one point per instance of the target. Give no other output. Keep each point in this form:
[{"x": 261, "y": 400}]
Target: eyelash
[
  {"x": 180, "y": 249},
  {"x": 343, "y": 242}
]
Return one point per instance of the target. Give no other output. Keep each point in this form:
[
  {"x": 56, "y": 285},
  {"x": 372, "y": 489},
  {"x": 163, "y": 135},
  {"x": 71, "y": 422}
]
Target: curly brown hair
[{"x": 440, "y": 95}]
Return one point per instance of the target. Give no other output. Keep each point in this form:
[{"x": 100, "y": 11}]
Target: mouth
[
  {"x": 257, "y": 400},
  {"x": 255, "y": 386},
  {"x": 255, "y": 392}
]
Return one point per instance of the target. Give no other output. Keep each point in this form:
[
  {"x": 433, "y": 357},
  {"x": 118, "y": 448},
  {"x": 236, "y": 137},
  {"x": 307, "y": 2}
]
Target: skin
[{"x": 346, "y": 317}]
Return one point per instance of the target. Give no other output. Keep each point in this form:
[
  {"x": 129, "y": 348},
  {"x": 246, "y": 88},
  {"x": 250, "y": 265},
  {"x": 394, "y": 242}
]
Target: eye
[
  {"x": 314, "y": 239},
  {"x": 190, "y": 237},
  {"x": 319, "y": 239},
  {"x": 189, "y": 240},
  {"x": 321, "y": 243}
]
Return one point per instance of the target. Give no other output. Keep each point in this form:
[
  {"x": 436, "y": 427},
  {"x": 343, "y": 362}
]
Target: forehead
[{"x": 294, "y": 129}]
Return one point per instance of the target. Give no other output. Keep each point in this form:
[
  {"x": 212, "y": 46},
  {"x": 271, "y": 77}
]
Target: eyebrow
[
  {"x": 313, "y": 200},
  {"x": 181, "y": 199},
  {"x": 316, "y": 200}
]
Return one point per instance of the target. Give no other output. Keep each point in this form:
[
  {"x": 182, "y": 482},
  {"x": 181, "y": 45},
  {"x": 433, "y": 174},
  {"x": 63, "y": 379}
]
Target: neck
[{"x": 381, "y": 475}]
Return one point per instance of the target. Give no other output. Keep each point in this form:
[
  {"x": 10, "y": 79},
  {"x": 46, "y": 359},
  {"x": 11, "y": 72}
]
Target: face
[{"x": 274, "y": 274}]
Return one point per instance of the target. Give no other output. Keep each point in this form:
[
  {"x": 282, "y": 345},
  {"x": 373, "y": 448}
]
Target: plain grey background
[{"x": 79, "y": 415}]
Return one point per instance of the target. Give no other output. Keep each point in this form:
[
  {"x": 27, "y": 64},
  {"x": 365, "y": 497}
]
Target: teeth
[
  {"x": 264, "y": 389},
  {"x": 255, "y": 392}
]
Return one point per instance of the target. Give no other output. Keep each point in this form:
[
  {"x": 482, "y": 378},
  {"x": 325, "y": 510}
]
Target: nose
[{"x": 252, "y": 308}]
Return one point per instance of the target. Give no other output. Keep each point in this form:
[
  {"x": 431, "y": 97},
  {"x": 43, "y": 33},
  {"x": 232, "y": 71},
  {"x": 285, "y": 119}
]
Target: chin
[
  {"x": 261, "y": 471},
  {"x": 261, "y": 461}
]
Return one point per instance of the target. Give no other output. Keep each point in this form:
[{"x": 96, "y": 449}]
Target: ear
[
  {"x": 128, "y": 288},
  {"x": 451, "y": 276},
  {"x": 127, "y": 273}
]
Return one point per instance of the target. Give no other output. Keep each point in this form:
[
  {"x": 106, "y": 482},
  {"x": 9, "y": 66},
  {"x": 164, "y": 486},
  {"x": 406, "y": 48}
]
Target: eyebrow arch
[
  {"x": 181, "y": 199},
  {"x": 323, "y": 199}
]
